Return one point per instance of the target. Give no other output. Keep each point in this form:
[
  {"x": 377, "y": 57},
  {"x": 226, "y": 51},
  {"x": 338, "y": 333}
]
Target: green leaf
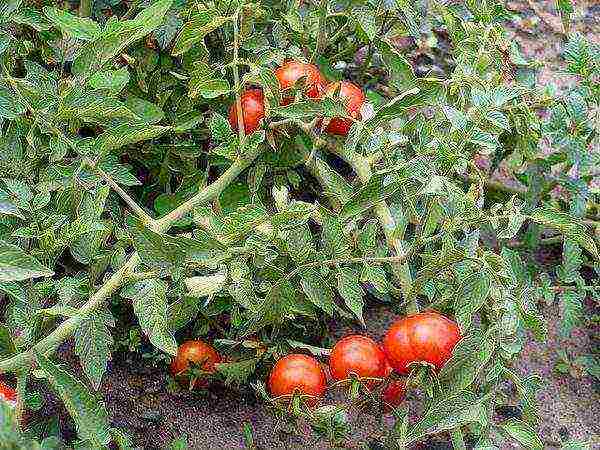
[
  {"x": 220, "y": 130},
  {"x": 309, "y": 109},
  {"x": 469, "y": 357},
  {"x": 89, "y": 414},
  {"x": 522, "y": 432},
  {"x": 93, "y": 342},
  {"x": 470, "y": 297},
  {"x": 7, "y": 346},
  {"x": 237, "y": 372},
  {"x": 374, "y": 191},
  {"x": 203, "y": 82},
  {"x": 366, "y": 20},
  {"x": 317, "y": 290},
  {"x": 182, "y": 312},
  {"x": 498, "y": 119},
  {"x": 16, "y": 265},
  {"x": 127, "y": 134},
  {"x": 336, "y": 243},
  {"x": 458, "y": 119},
  {"x": 14, "y": 291},
  {"x": 351, "y": 291},
  {"x": 10, "y": 104},
  {"x": 195, "y": 30},
  {"x": 148, "y": 112},
  {"x": 117, "y": 37},
  {"x": 111, "y": 80},
  {"x": 571, "y": 311},
  {"x": 150, "y": 306},
  {"x": 567, "y": 225},
  {"x": 77, "y": 27},
  {"x": 452, "y": 412}
]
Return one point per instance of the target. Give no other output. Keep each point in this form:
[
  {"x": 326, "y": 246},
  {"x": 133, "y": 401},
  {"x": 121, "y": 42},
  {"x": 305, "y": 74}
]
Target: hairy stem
[{"x": 458, "y": 442}]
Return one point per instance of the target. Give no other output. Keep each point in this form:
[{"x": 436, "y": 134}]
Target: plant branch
[
  {"x": 236, "y": 78},
  {"x": 85, "y": 8},
  {"x": 458, "y": 442},
  {"x": 363, "y": 169},
  {"x": 116, "y": 280},
  {"x": 137, "y": 209}
]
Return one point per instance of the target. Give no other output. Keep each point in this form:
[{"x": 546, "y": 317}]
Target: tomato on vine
[
  {"x": 194, "y": 360},
  {"x": 291, "y": 71},
  {"x": 358, "y": 356},
  {"x": 253, "y": 110},
  {"x": 298, "y": 374},
  {"x": 8, "y": 394},
  {"x": 424, "y": 337},
  {"x": 354, "y": 98}
]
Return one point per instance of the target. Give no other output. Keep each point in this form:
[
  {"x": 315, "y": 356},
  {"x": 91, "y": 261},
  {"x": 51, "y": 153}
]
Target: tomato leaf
[
  {"x": 16, "y": 265},
  {"x": 89, "y": 414}
]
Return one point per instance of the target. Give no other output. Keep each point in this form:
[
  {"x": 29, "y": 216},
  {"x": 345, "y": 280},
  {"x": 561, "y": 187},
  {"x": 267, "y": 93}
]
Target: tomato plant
[
  {"x": 298, "y": 374},
  {"x": 425, "y": 337},
  {"x": 194, "y": 360},
  {"x": 357, "y": 356},
  {"x": 438, "y": 170}
]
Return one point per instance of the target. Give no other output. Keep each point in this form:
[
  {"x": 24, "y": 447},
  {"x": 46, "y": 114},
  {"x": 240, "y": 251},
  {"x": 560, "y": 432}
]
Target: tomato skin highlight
[
  {"x": 291, "y": 71},
  {"x": 424, "y": 337},
  {"x": 354, "y": 98},
  {"x": 358, "y": 355},
  {"x": 298, "y": 373},
  {"x": 8, "y": 394},
  {"x": 194, "y": 351},
  {"x": 253, "y": 110}
]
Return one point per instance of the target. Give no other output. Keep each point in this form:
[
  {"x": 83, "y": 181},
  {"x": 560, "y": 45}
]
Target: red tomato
[
  {"x": 358, "y": 355},
  {"x": 8, "y": 394},
  {"x": 354, "y": 98},
  {"x": 393, "y": 394},
  {"x": 253, "y": 110},
  {"x": 426, "y": 337},
  {"x": 291, "y": 71},
  {"x": 298, "y": 373},
  {"x": 197, "y": 352}
]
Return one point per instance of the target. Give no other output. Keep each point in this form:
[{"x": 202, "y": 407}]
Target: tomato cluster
[
  {"x": 424, "y": 338},
  {"x": 313, "y": 84}
]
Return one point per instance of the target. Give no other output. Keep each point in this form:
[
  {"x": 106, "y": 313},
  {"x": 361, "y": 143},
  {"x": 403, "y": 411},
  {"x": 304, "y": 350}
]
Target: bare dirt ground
[{"x": 139, "y": 399}]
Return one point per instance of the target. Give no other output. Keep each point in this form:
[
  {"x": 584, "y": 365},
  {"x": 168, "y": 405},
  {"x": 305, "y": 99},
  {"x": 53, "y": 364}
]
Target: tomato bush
[{"x": 217, "y": 188}]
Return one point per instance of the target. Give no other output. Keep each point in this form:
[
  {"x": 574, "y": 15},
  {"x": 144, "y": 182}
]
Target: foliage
[{"x": 122, "y": 183}]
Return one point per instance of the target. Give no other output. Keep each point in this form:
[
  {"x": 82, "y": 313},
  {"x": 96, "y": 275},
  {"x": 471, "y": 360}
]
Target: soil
[{"x": 139, "y": 397}]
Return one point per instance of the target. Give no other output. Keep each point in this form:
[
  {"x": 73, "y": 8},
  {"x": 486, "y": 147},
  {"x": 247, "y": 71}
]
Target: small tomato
[
  {"x": 393, "y": 394},
  {"x": 424, "y": 337},
  {"x": 358, "y": 355},
  {"x": 253, "y": 110},
  {"x": 196, "y": 353},
  {"x": 8, "y": 394},
  {"x": 354, "y": 98},
  {"x": 291, "y": 71},
  {"x": 297, "y": 373}
]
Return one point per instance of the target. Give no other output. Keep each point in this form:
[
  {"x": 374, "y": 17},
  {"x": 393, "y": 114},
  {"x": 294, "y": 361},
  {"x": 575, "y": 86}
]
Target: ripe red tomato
[
  {"x": 199, "y": 353},
  {"x": 291, "y": 71},
  {"x": 298, "y": 373},
  {"x": 253, "y": 110},
  {"x": 426, "y": 337},
  {"x": 393, "y": 394},
  {"x": 354, "y": 98},
  {"x": 358, "y": 355},
  {"x": 8, "y": 394}
]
